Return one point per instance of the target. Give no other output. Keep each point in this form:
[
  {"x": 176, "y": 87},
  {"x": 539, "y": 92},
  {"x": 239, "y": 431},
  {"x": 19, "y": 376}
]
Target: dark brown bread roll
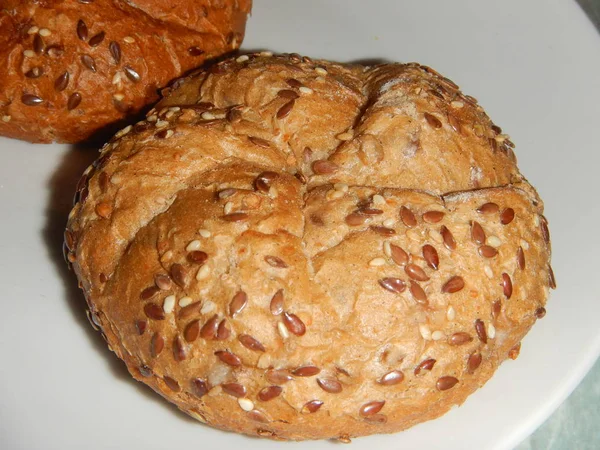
[
  {"x": 300, "y": 249},
  {"x": 70, "y": 68}
]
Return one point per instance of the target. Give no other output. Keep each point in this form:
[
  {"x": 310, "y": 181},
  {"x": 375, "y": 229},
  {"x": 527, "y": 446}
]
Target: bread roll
[
  {"x": 71, "y": 68},
  {"x": 300, "y": 249}
]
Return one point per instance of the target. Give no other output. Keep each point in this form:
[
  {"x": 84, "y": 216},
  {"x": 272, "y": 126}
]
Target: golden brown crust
[
  {"x": 349, "y": 263},
  {"x": 71, "y": 68}
]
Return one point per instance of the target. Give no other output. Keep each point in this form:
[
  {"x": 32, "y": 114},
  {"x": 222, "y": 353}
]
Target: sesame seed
[
  {"x": 341, "y": 187},
  {"x": 389, "y": 223},
  {"x": 491, "y": 331},
  {"x": 152, "y": 118},
  {"x": 320, "y": 70},
  {"x": 451, "y": 313},
  {"x": 242, "y": 58},
  {"x": 377, "y": 262},
  {"x": 437, "y": 237},
  {"x": 207, "y": 115},
  {"x": 425, "y": 331},
  {"x": 208, "y": 307},
  {"x": 437, "y": 335},
  {"x": 228, "y": 208},
  {"x": 123, "y": 132},
  {"x": 284, "y": 333},
  {"x": 387, "y": 249},
  {"x": 185, "y": 301},
  {"x": 266, "y": 53},
  {"x": 29, "y": 53},
  {"x": 194, "y": 245},
  {"x": 6, "y": 118},
  {"x": 45, "y": 32},
  {"x": 488, "y": 271},
  {"x": 494, "y": 241},
  {"x": 378, "y": 200},
  {"x": 246, "y": 404},
  {"x": 456, "y": 104},
  {"x": 334, "y": 195},
  {"x": 169, "y": 304},
  {"x": 116, "y": 79},
  {"x": 524, "y": 244},
  {"x": 273, "y": 192},
  {"x": 344, "y": 136},
  {"x": 204, "y": 233},
  {"x": 175, "y": 109},
  {"x": 169, "y": 114},
  {"x": 203, "y": 273},
  {"x": 129, "y": 39},
  {"x": 305, "y": 90},
  {"x": 167, "y": 256},
  {"x": 33, "y": 30},
  {"x": 118, "y": 97},
  {"x": 161, "y": 123},
  {"x": 536, "y": 220}
]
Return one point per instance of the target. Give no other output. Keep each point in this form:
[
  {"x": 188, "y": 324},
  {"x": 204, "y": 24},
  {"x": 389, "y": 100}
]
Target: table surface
[{"x": 574, "y": 425}]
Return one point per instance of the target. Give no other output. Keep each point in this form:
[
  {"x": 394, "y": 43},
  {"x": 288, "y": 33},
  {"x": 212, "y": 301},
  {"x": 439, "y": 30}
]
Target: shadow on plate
[
  {"x": 62, "y": 187},
  {"x": 592, "y": 9}
]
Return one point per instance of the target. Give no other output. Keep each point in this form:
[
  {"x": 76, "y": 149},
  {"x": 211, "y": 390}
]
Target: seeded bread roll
[
  {"x": 300, "y": 249},
  {"x": 71, "y": 68}
]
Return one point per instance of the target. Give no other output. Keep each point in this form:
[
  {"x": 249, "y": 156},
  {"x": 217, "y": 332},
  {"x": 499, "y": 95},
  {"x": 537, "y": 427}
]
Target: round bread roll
[
  {"x": 299, "y": 249},
  {"x": 68, "y": 69}
]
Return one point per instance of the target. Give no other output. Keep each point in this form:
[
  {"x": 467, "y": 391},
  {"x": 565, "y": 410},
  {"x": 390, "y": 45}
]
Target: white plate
[{"x": 533, "y": 65}]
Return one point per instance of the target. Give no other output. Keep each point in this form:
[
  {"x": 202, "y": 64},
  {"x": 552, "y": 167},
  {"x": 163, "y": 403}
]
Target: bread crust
[
  {"x": 355, "y": 262},
  {"x": 72, "y": 68}
]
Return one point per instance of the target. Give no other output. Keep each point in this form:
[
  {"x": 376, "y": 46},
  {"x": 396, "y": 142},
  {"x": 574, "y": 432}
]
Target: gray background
[{"x": 576, "y": 423}]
